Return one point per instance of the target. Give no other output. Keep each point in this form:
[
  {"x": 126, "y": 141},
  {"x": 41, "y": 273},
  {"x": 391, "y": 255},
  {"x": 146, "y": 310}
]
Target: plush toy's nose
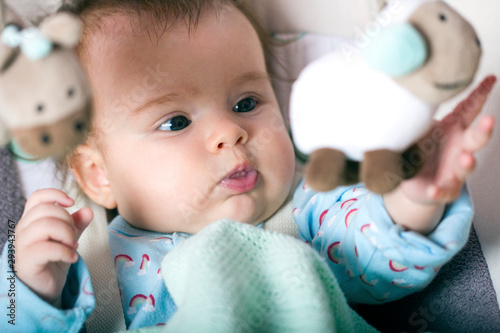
[
  {"x": 397, "y": 50},
  {"x": 55, "y": 139},
  {"x": 45, "y": 139}
]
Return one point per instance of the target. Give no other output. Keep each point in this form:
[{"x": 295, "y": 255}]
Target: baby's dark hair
[{"x": 158, "y": 15}]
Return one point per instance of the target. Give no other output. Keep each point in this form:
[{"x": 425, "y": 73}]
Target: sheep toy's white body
[
  {"x": 372, "y": 106},
  {"x": 342, "y": 104}
]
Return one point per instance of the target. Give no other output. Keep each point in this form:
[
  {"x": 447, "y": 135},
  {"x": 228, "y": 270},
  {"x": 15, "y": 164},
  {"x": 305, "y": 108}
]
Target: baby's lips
[
  {"x": 239, "y": 169},
  {"x": 241, "y": 182}
]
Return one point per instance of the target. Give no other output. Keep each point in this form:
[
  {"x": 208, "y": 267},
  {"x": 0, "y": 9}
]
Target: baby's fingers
[
  {"x": 46, "y": 252},
  {"x": 445, "y": 193},
  {"x": 49, "y": 195},
  {"x": 478, "y": 136},
  {"x": 44, "y": 210},
  {"x": 449, "y": 185},
  {"x": 82, "y": 219},
  {"x": 465, "y": 166},
  {"x": 48, "y": 229},
  {"x": 468, "y": 109}
]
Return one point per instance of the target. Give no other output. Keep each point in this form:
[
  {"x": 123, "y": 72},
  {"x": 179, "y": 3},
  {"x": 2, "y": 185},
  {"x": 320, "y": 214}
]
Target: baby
[{"x": 187, "y": 131}]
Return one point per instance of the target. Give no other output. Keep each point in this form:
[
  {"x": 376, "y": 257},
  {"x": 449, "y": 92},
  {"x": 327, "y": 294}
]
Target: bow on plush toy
[
  {"x": 357, "y": 114},
  {"x": 44, "y": 95}
]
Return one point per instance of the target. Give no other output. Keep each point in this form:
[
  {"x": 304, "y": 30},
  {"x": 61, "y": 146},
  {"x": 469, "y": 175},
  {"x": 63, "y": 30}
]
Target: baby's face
[{"x": 190, "y": 129}]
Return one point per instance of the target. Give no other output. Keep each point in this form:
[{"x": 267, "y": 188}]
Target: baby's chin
[
  {"x": 241, "y": 211},
  {"x": 242, "y": 215},
  {"x": 244, "y": 209},
  {"x": 255, "y": 217},
  {"x": 195, "y": 224},
  {"x": 197, "y": 227}
]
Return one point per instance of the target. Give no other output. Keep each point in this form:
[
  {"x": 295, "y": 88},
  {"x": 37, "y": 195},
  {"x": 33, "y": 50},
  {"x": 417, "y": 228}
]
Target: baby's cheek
[
  {"x": 283, "y": 165},
  {"x": 268, "y": 129}
]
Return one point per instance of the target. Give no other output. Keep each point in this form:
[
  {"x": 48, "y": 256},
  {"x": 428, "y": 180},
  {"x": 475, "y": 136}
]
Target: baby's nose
[{"x": 226, "y": 134}]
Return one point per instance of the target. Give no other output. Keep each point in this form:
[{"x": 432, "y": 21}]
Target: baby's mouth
[{"x": 241, "y": 179}]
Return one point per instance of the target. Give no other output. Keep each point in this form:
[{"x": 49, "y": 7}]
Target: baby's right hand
[{"x": 46, "y": 242}]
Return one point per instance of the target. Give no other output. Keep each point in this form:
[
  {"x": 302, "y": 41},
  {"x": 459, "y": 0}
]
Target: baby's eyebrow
[
  {"x": 251, "y": 76},
  {"x": 163, "y": 99}
]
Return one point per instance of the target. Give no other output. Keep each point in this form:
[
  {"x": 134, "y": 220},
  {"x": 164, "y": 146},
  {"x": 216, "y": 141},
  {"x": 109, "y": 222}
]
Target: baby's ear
[
  {"x": 88, "y": 169},
  {"x": 62, "y": 28}
]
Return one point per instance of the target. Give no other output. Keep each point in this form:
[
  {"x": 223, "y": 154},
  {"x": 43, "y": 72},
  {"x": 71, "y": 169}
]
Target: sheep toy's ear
[
  {"x": 62, "y": 28},
  {"x": 397, "y": 50}
]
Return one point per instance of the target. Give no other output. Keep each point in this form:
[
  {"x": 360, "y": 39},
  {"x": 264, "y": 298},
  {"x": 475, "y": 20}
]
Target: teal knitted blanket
[{"x": 232, "y": 277}]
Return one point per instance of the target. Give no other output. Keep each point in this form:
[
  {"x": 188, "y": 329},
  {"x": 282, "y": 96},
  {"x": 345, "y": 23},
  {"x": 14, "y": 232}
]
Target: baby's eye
[
  {"x": 245, "y": 105},
  {"x": 177, "y": 123}
]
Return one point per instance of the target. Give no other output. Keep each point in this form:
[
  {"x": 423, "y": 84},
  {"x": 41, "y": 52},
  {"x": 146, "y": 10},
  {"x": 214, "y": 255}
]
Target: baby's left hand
[{"x": 449, "y": 150}]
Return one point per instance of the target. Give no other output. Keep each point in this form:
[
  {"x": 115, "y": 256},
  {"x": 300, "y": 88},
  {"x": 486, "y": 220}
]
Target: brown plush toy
[
  {"x": 44, "y": 95},
  {"x": 356, "y": 113}
]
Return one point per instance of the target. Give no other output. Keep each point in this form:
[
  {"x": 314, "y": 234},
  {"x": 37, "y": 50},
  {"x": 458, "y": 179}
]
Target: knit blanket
[{"x": 233, "y": 277}]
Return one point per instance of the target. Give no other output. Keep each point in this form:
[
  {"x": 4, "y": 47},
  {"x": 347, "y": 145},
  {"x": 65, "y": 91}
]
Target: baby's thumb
[{"x": 82, "y": 219}]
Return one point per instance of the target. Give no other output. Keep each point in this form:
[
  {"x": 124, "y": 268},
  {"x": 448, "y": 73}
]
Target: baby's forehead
[
  {"x": 115, "y": 24},
  {"x": 122, "y": 54},
  {"x": 108, "y": 36},
  {"x": 116, "y": 27}
]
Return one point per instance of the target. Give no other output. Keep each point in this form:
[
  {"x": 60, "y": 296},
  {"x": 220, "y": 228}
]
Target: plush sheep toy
[
  {"x": 355, "y": 114},
  {"x": 44, "y": 95}
]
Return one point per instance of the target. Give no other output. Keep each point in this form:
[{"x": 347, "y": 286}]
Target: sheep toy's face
[{"x": 454, "y": 53}]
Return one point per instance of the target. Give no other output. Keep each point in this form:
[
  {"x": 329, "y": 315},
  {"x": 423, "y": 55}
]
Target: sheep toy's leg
[
  {"x": 326, "y": 169},
  {"x": 381, "y": 170}
]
